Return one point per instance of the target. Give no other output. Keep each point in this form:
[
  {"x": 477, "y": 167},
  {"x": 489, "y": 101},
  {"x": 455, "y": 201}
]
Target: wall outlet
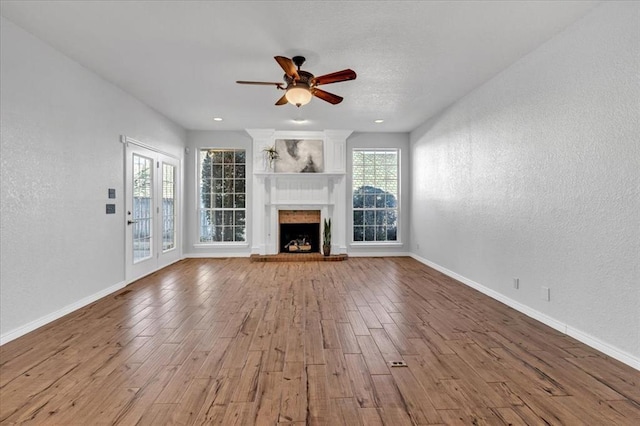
[
  {"x": 418, "y": 246},
  {"x": 516, "y": 283},
  {"x": 546, "y": 294}
]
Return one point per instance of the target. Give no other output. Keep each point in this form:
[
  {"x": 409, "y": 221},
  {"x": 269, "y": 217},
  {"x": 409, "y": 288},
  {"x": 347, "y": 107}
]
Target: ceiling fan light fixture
[{"x": 298, "y": 94}]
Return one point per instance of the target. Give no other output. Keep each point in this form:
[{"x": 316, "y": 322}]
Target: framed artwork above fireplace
[{"x": 299, "y": 156}]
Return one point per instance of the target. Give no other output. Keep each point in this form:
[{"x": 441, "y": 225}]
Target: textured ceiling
[{"x": 182, "y": 58}]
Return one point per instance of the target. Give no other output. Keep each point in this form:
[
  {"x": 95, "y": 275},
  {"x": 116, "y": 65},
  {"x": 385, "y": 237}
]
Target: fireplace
[
  {"x": 299, "y": 231},
  {"x": 323, "y": 192}
]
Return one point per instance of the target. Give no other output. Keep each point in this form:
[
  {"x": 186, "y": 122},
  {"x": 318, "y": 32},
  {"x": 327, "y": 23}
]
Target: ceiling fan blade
[
  {"x": 282, "y": 100},
  {"x": 262, "y": 83},
  {"x": 335, "y": 77},
  {"x": 326, "y": 96},
  {"x": 288, "y": 66}
]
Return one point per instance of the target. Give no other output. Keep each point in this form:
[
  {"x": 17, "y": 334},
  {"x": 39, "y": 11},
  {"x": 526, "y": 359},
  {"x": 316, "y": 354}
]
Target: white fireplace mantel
[{"x": 298, "y": 191}]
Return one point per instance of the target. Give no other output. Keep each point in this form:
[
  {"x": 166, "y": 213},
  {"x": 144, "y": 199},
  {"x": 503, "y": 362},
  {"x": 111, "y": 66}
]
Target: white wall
[
  {"x": 196, "y": 140},
  {"x": 381, "y": 140},
  {"x": 536, "y": 175},
  {"x": 60, "y": 150}
]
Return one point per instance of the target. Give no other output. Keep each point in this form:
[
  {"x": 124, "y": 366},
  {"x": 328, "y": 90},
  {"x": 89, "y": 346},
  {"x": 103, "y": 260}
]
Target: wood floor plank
[
  {"x": 230, "y": 341},
  {"x": 268, "y": 398},
  {"x": 348, "y": 340},
  {"x": 337, "y": 375},
  {"x": 419, "y": 405},
  {"x": 372, "y": 356},
  {"x": 357, "y": 323},
  {"x": 293, "y": 404},
  {"x": 360, "y": 380},
  {"x": 330, "y": 338},
  {"x": 318, "y": 395}
]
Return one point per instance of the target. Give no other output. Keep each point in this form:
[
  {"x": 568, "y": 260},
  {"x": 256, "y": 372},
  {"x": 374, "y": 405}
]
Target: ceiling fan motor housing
[{"x": 306, "y": 78}]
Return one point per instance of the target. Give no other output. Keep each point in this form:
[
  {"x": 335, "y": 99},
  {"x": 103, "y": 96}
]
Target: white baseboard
[
  {"x": 562, "y": 327},
  {"x": 216, "y": 255},
  {"x": 378, "y": 254},
  {"x": 27, "y": 328}
]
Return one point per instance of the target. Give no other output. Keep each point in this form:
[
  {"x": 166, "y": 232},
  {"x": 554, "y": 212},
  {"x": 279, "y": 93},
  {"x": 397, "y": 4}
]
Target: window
[
  {"x": 168, "y": 207},
  {"x": 375, "y": 195},
  {"x": 222, "y": 195}
]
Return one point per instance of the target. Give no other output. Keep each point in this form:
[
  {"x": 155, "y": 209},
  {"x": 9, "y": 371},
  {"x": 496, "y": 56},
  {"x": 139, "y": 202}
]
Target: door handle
[{"x": 129, "y": 222}]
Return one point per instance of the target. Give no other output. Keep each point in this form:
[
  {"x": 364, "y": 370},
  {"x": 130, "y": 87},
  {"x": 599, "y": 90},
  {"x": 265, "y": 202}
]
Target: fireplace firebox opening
[{"x": 299, "y": 231}]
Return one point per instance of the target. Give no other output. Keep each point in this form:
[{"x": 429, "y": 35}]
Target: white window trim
[
  {"x": 198, "y": 176},
  {"x": 398, "y": 241}
]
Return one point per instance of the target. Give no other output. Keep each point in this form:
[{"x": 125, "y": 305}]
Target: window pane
[
  {"x": 369, "y": 217},
  {"x": 239, "y": 233},
  {"x": 217, "y": 201},
  {"x": 228, "y": 217},
  {"x": 369, "y": 200},
  {"x": 142, "y": 207},
  {"x": 217, "y": 218},
  {"x": 229, "y": 171},
  {"x": 369, "y": 233},
  {"x": 358, "y": 218},
  {"x": 358, "y": 233},
  {"x": 240, "y": 201},
  {"x": 216, "y": 157},
  {"x": 168, "y": 207},
  {"x": 238, "y": 218},
  {"x": 391, "y": 233}
]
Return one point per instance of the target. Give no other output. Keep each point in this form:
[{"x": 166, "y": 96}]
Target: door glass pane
[
  {"x": 168, "y": 207},
  {"x": 142, "y": 207}
]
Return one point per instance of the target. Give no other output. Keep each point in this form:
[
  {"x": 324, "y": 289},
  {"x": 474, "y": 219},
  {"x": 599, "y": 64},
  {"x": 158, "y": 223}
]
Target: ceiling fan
[{"x": 300, "y": 86}]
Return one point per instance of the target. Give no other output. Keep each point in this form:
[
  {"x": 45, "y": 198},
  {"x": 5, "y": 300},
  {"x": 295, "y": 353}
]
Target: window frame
[
  {"x": 199, "y": 208},
  {"x": 377, "y": 243}
]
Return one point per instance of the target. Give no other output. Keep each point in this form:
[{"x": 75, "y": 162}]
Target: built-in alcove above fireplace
[
  {"x": 321, "y": 194},
  {"x": 299, "y": 231}
]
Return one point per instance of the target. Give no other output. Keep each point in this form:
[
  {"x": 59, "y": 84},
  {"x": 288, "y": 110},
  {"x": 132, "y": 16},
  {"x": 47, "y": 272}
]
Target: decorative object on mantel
[
  {"x": 299, "y": 156},
  {"x": 326, "y": 245},
  {"x": 271, "y": 155}
]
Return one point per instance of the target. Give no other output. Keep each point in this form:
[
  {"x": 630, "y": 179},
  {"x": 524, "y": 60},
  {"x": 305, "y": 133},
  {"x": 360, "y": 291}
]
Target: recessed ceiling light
[
  {"x": 300, "y": 120},
  {"x": 378, "y": 121},
  {"x": 217, "y": 118}
]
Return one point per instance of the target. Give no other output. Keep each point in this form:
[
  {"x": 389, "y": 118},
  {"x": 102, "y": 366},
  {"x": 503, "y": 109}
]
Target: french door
[{"x": 151, "y": 212}]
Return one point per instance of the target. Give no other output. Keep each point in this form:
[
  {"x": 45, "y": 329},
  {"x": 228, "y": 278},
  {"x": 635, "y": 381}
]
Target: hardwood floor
[{"x": 229, "y": 341}]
